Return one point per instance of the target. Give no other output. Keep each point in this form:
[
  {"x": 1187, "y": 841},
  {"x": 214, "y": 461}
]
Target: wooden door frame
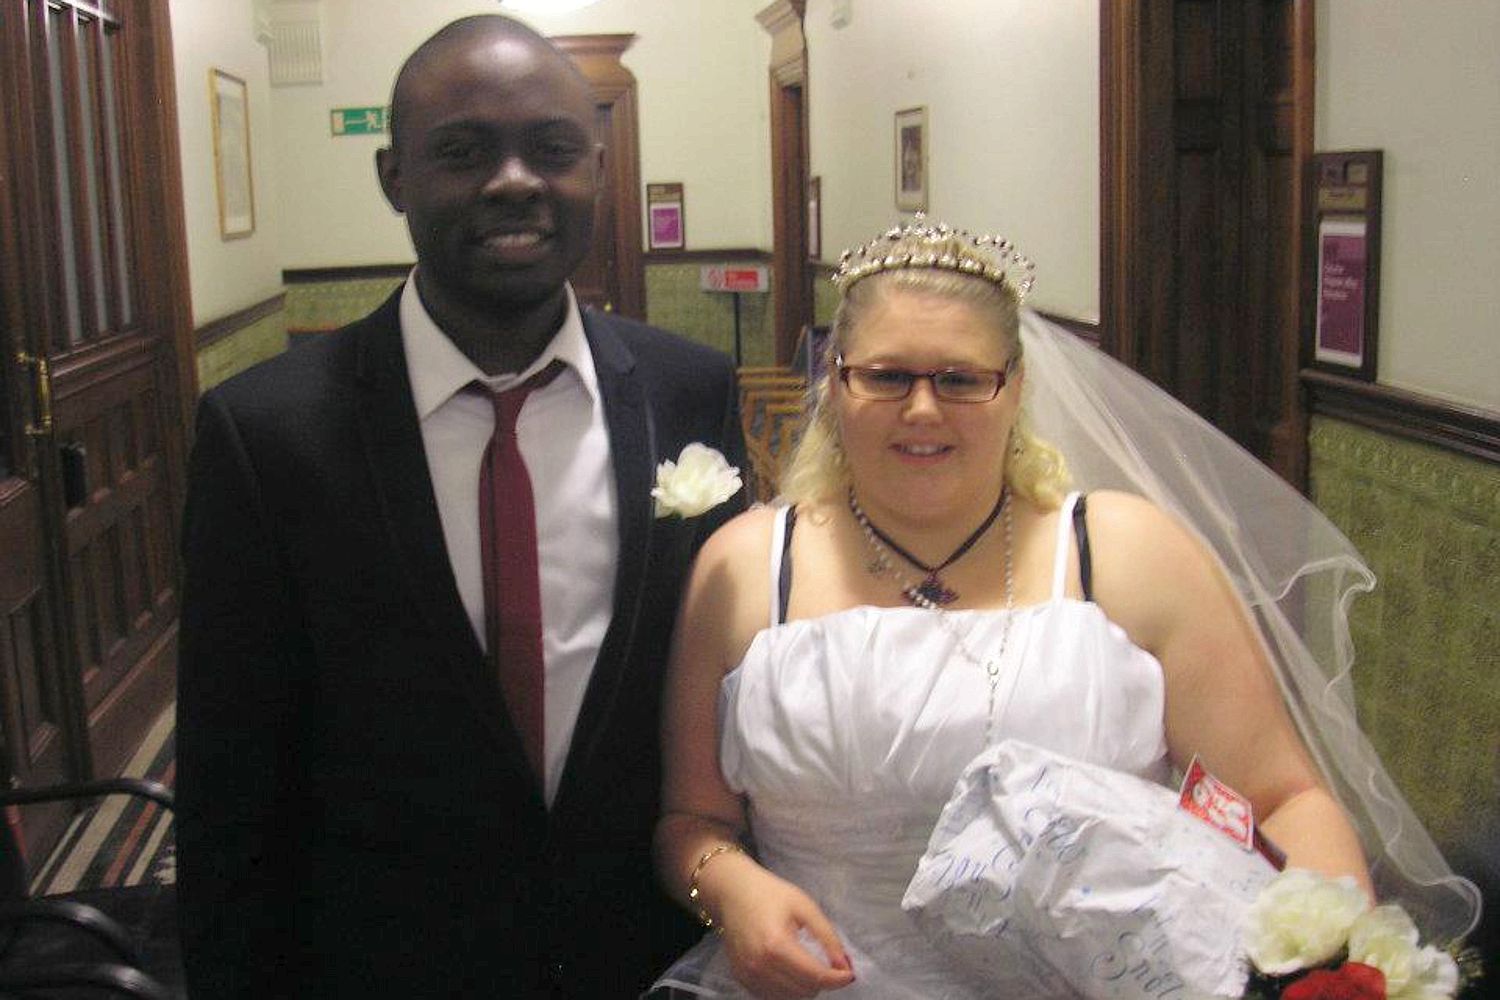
[
  {"x": 791, "y": 272},
  {"x": 598, "y": 59},
  {"x": 1134, "y": 106}
]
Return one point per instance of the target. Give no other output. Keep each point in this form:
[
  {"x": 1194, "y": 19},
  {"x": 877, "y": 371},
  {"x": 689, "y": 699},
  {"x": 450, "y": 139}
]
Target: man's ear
[{"x": 388, "y": 169}]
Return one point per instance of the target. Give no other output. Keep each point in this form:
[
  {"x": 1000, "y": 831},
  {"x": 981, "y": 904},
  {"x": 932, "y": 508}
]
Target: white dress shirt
[{"x": 564, "y": 441}]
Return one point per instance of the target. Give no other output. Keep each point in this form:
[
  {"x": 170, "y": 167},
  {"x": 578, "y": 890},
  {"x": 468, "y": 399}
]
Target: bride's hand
[{"x": 764, "y": 920}]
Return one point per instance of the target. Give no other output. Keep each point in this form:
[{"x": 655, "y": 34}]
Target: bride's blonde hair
[{"x": 819, "y": 469}]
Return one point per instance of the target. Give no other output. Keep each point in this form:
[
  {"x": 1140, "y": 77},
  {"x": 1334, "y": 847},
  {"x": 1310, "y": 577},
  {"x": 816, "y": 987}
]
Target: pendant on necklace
[{"x": 930, "y": 591}]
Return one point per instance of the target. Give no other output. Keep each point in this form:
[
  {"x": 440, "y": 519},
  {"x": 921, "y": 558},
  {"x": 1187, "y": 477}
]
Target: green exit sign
[{"x": 359, "y": 121}]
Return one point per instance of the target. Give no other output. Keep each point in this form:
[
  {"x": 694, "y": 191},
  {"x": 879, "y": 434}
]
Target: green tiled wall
[
  {"x": 328, "y": 305},
  {"x": 264, "y": 338},
  {"x": 675, "y": 302},
  {"x": 1427, "y": 673}
]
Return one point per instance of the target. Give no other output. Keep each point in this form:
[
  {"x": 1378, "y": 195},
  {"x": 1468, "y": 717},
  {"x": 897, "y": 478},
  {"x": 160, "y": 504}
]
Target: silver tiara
[{"x": 920, "y": 244}]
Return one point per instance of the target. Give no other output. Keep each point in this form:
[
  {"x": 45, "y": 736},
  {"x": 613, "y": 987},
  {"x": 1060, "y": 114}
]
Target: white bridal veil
[{"x": 1294, "y": 569}]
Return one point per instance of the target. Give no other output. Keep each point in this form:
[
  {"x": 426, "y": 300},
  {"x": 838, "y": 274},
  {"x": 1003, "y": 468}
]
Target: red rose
[{"x": 1351, "y": 981}]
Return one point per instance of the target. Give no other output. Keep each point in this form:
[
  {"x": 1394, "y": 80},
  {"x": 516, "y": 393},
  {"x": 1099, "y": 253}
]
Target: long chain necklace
[
  {"x": 914, "y": 594},
  {"x": 931, "y": 589}
]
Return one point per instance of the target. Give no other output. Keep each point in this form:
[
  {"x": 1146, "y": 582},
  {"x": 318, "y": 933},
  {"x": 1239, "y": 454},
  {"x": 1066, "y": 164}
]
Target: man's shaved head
[{"x": 467, "y": 29}]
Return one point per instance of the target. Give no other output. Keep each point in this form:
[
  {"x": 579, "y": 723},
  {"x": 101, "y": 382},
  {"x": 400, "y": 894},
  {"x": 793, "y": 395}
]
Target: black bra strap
[
  {"x": 784, "y": 578},
  {"x": 1085, "y": 562}
]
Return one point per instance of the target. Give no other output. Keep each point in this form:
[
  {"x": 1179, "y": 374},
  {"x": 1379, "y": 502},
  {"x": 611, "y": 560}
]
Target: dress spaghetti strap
[
  {"x": 781, "y": 563},
  {"x": 1060, "y": 559}
]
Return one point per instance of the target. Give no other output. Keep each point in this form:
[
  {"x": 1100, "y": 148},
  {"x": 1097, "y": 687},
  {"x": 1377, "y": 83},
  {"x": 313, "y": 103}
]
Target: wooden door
[
  {"x": 612, "y": 277},
  {"x": 1207, "y": 119},
  {"x": 93, "y": 292}
]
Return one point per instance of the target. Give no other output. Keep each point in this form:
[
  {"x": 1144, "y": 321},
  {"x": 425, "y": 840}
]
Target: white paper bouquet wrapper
[{"x": 1060, "y": 878}]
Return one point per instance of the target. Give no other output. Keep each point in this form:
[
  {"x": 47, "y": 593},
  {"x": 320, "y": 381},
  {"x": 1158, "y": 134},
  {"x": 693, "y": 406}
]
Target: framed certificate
[{"x": 230, "y": 105}]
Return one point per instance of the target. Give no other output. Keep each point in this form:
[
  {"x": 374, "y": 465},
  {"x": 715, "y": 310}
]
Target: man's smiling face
[{"x": 495, "y": 166}]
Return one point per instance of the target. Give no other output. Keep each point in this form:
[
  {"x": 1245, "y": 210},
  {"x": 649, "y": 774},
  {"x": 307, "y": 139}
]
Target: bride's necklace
[
  {"x": 915, "y": 595},
  {"x": 932, "y": 589}
]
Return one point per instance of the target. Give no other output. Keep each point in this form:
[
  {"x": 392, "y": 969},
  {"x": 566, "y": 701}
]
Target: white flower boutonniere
[{"x": 698, "y": 481}]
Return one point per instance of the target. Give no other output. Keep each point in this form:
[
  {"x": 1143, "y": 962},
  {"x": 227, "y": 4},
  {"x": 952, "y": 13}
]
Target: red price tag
[{"x": 1217, "y": 804}]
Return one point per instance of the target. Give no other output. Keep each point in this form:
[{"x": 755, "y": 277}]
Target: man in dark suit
[{"x": 361, "y": 810}]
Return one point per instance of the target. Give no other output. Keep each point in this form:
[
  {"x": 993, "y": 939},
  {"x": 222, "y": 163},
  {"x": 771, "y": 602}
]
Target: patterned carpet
[{"x": 123, "y": 840}]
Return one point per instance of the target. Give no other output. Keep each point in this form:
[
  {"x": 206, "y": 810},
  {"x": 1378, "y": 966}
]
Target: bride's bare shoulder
[
  {"x": 728, "y": 596},
  {"x": 740, "y": 540}
]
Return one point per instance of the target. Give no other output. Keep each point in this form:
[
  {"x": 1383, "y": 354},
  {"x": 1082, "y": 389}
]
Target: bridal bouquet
[{"x": 1309, "y": 937}]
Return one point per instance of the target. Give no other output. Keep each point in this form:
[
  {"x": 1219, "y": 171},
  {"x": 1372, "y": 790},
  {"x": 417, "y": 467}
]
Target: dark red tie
[{"x": 512, "y": 589}]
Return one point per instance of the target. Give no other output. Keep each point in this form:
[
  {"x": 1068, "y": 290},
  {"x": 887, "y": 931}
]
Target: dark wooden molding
[
  {"x": 613, "y": 274},
  {"x": 165, "y": 286},
  {"x": 226, "y": 326},
  {"x": 1120, "y": 128},
  {"x": 732, "y": 254},
  {"x": 1471, "y": 431},
  {"x": 314, "y": 275},
  {"x": 1081, "y": 328},
  {"x": 792, "y": 277}
]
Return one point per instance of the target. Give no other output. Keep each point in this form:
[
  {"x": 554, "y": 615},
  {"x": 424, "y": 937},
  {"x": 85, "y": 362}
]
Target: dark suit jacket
[{"x": 355, "y": 813}]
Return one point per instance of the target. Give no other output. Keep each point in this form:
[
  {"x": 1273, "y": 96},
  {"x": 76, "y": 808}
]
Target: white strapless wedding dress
[{"x": 846, "y": 734}]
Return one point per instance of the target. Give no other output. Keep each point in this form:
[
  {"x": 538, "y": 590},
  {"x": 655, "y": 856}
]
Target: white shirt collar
[{"x": 438, "y": 370}]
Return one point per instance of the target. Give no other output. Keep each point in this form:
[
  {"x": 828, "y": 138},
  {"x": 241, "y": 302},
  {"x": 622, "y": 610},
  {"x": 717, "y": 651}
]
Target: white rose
[
  {"x": 1301, "y": 919},
  {"x": 698, "y": 481},
  {"x": 1386, "y": 938}
]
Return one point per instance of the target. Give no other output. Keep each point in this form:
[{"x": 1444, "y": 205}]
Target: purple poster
[
  {"x": 666, "y": 226},
  {"x": 1341, "y": 292}
]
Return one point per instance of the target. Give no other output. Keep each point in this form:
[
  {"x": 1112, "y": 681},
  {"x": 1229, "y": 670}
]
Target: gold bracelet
[{"x": 693, "y": 893}]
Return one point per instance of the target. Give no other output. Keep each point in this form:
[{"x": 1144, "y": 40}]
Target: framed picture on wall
[
  {"x": 911, "y": 160},
  {"x": 230, "y": 106}
]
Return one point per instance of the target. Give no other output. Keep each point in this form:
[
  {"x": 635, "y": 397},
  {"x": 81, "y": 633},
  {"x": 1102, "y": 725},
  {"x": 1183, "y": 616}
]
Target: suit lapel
[
  {"x": 633, "y": 447},
  {"x": 397, "y": 465}
]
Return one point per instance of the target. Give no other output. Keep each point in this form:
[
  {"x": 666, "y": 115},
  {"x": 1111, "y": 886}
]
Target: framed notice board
[{"x": 1345, "y": 263}]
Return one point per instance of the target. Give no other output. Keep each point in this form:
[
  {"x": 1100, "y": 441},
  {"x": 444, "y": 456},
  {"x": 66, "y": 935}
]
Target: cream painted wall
[
  {"x": 700, "y": 71},
  {"x": 225, "y": 275},
  {"x": 1420, "y": 79},
  {"x": 1012, "y": 95}
]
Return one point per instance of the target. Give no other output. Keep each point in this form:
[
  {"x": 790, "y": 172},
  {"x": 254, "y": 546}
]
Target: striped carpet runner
[{"x": 122, "y": 840}]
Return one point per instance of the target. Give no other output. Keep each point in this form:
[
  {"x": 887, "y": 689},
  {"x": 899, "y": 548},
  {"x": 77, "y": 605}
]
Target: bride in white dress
[{"x": 930, "y": 588}]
